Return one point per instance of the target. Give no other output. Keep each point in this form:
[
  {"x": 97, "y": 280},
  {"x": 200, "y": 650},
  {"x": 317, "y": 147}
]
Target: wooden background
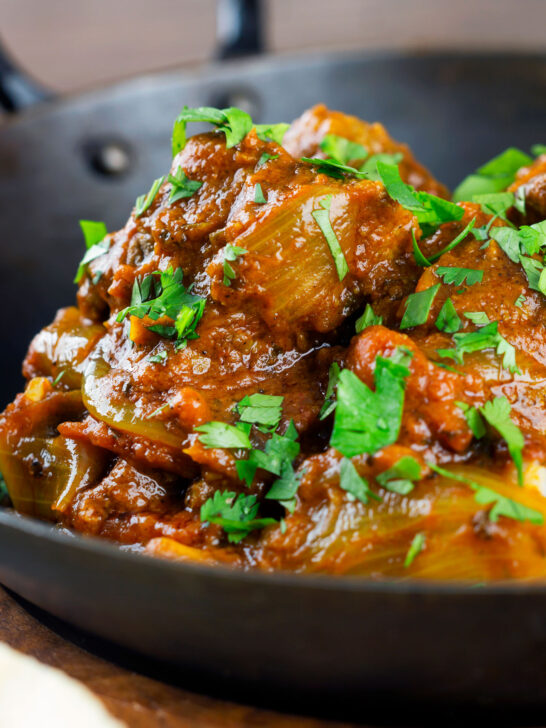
[{"x": 70, "y": 44}]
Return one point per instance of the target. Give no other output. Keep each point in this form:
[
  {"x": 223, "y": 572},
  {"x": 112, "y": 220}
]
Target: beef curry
[{"x": 301, "y": 354}]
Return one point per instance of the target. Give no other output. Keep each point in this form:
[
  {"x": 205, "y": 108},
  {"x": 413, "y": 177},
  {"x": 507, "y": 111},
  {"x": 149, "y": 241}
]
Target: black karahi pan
[{"x": 350, "y": 640}]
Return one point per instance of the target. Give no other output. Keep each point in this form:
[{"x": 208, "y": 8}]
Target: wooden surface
[
  {"x": 70, "y": 44},
  {"x": 139, "y": 701}
]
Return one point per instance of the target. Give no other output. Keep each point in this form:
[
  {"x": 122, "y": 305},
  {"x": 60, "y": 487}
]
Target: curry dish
[{"x": 301, "y": 353}]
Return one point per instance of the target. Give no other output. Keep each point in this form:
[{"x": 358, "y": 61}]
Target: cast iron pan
[{"x": 89, "y": 157}]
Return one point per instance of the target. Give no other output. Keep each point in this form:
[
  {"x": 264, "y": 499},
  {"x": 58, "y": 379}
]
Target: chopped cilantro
[
  {"x": 286, "y": 486},
  {"x": 401, "y": 477},
  {"x": 272, "y": 132},
  {"x": 520, "y": 300},
  {"x": 538, "y": 149},
  {"x": 368, "y": 318},
  {"x": 236, "y": 514},
  {"x": 417, "y": 545},
  {"x": 342, "y": 150},
  {"x": 143, "y": 202},
  {"x": 322, "y": 218},
  {"x": 454, "y": 276},
  {"x": 418, "y": 307},
  {"x": 231, "y": 253},
  {"x": 159, "y": 358},
  {"x": 487, "y": 337},
  {"x": 265, "y": 157},
  {"x": 420, "y": 259},
  {"x": 495, "y": 175},
  {"x": 533, "y": 272},
  {"x": 477, "y": 317},
  {"x": 234, "y": 122},
  {"x": 259, "y": 198},
  {"x": 278, "y": 450},
  {"x": 220, "y": 434},
  {"x": 94, "y": 234},
  {"x": 182, "y": 186},
  {"x": 369, "y": 168},
  {"x": 366, "y": 421},
  {"x": 430, "y": 210},
  {"x": 166, "y": 296},
  {"x": 58, "y": 378},
  {"x": 332, "y": 168},
  {"x": 503, "y": 506},
  {"x": 329, "y": 399},
  {"x": 496, "y": 203},
  {"x": 473, "y": 419},
  {"x": 497, "y": 413},
  {"x": 261, "y": 409},
  {"x": 355, "y": 485},
  {"x": 448, "y": 320}
]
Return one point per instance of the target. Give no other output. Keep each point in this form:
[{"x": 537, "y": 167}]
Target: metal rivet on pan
[{"x": 108, "y": 157}]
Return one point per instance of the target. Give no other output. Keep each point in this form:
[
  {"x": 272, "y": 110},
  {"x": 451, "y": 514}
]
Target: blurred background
[{"x": 73, "y": 44}]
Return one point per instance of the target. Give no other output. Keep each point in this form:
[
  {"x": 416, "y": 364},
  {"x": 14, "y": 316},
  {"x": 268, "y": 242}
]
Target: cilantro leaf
[
  {"x": 421, "y": 260},
  {"x": 182, "y": 187},
  {"x": 479, "y": 318},
  {"x": 495, "y": 175},
  {"x": 417, "y": 545},
  {"x": 284, "y": 489},
  {"x": 272, "y": 132},
  {"x": 534, "y": 273},
  {"x": 497, "y": 413},
  {"x": 487, "y": 337},
  {"x": 354, "y": 484},
  {"x": 503, "y": 506},
  {"x": 368, "y": 318},
  {"x": 322, "y": 218},
  {"x": 259, "y": 198},
  {"x": 231, "y": 253},
  {"x": 94, "y": 234},
  {"x": 329, "y": 399},
  {"x": 473, "y": 419},
  {"x": 143, "y": 202},
  {"x": 265, "y": 157},
  {"x": 332, "y": 168},
  {"x": 430, "y": 210},
  {"x": 418, "y": 307},
  {"x": 166, "y": 296},
  {"x": 520, "y": 300},
  {"x": 401, "y": 476},
  {"x": 261, "y": 409},
  {"x": 234, "y": 122},
  {"x": 454, "y": 276},
  {"x": 369, "y": 168},
  {"x": 366, "y": 421},
  {"x": 278, "y": 450},
  {"x": 508, "y": 240},
  {"x": 159, "y": 358},
  {"x": 342, "y": 150},
  {"x": 448, "y": 320},
  {"x": 496, "y": 203},
  {"x": 236, "y": 514},
  {"x": 220, "y": 434}
]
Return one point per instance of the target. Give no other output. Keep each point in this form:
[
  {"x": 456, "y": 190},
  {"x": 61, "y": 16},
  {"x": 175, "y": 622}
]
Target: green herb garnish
[
  {"x": 234, "y": 122},
  {"x": 415, "y": 549},
  {"x": 473, "y": 419},
  {"x": 454, "y": 276},
  {"x": 259, "y": 198},
  {"x": 143, "y": 202},
  {"x": 366, "y": 421},
  {"x": 272, "y": 132},
  {"x": 448, "y": 320},
  {"x": 497, "y": 413},
  {"x": 355, "y": 485},
  {"x": 182, "y": 187},
  {"x": 322, "y": 218},
  {"x": 329, "y": 399},
  {"x": 418, "y": 307},
  {"x": 423, "y": 261},
  {"x": 222, "y": 435},
  {"x": 401, "y": 477},
  {"x": 236, "y": 514},
  {"x": 94, "y": 234},
  {"x": 368, "y": 318},
  {"x": 231, "y": 253},
  {"x": 342, "y": 150},
  {"x": 265, "y": 157},
  {"x": 495, "y": 175},
  {"x": 487, "y": 337},
  {"x": 479, "y": 318},
  {"x": 261, "y": 409}
]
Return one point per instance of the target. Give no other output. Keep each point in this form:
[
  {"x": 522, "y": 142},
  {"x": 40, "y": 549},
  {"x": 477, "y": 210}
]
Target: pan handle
[
  {"x": 240, "y": 28},
  {"x": 17, "y": 90}
]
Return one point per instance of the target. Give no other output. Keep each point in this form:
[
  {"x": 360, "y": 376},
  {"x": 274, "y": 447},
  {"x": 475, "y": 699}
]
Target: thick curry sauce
[{"x": 301, "y": 279}]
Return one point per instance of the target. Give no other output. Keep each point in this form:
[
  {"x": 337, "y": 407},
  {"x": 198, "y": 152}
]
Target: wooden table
[{"x": 139, "y": 701}]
